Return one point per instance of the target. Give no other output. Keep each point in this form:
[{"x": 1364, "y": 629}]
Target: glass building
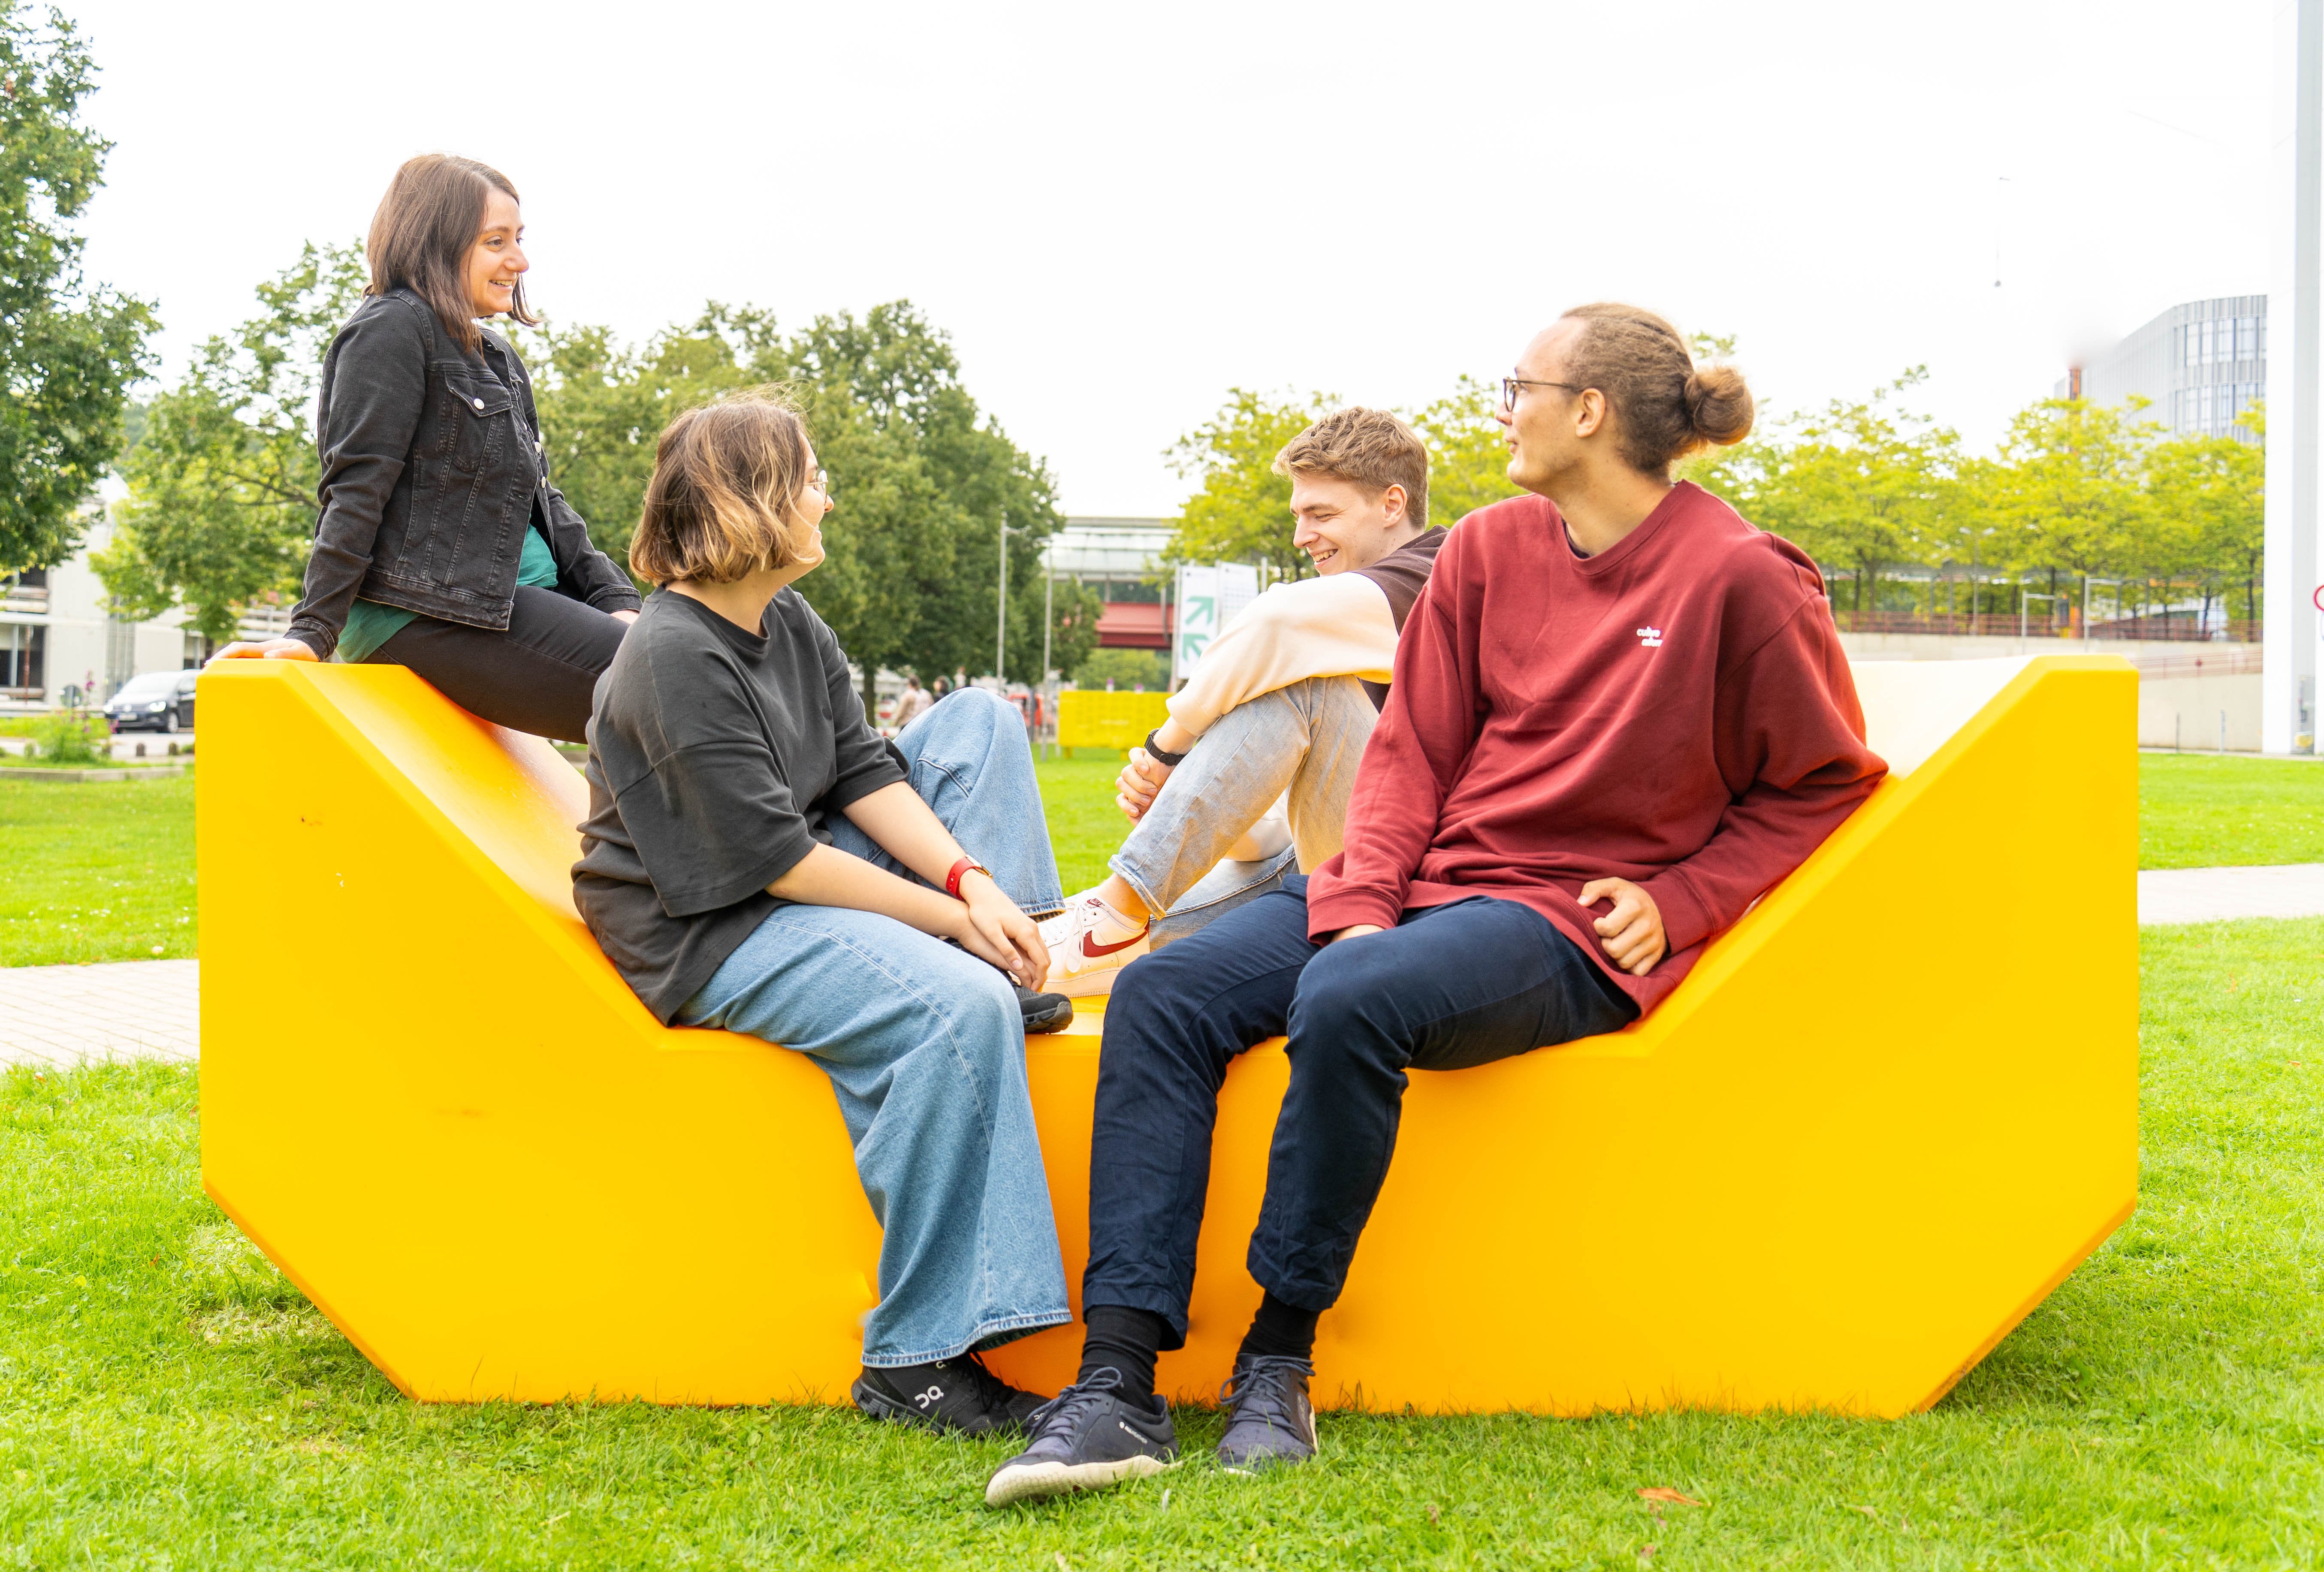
[{"x": 2199, "y": 365}]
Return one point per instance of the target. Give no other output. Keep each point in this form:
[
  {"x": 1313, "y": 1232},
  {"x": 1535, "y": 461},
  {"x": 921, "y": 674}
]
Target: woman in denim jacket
[{"x": 441, "y": 545}]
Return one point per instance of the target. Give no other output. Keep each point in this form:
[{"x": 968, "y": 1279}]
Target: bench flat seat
[{"x": 1887, "y": 1113}]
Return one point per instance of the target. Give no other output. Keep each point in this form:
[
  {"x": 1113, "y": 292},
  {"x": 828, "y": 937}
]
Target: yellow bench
[
  {"x": 1094, "y": 718},
  {"x": 1890, "y": 1110}
]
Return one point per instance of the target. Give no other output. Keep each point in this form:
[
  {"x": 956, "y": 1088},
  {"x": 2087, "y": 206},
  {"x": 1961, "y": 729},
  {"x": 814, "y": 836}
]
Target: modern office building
[
  {"x": 59, "y": 643},
  {"x": 1121, "y": 559},
  {"x": 2199, "y": 365}
]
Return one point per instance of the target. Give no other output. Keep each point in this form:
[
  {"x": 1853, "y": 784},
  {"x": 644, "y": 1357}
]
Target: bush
[
  {"x": 64, "y": 740},
  {"x": 1125, "y": 669}
]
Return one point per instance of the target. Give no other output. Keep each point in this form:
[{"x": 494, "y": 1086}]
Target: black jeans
[
  {"x": 1448, "y": 987},
  {"x": 539, "y": 676}
]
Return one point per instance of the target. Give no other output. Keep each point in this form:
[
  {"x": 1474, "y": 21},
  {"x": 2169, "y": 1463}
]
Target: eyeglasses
[
  {"x": 823, "y": 483},
  {"x": 1509, "y": 385}
]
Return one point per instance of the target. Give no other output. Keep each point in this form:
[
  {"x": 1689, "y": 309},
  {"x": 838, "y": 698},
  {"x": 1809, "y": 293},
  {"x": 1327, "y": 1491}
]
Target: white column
[{"x": 2287, "y": 720}]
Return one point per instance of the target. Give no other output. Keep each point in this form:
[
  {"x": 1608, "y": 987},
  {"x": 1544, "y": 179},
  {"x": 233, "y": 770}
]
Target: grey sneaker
[
  {"x": 952, "y": 1397},
  {"x": 1269, "y": 1420},
  {"x": 1087, "y": 1437}
]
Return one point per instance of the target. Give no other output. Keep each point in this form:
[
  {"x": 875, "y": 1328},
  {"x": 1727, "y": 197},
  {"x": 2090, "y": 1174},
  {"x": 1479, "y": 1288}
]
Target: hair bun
[{"x": 1718, "y": 404}]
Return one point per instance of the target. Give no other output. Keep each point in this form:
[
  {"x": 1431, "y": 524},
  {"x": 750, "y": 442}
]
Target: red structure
[{"x": 1130, "y": 625}]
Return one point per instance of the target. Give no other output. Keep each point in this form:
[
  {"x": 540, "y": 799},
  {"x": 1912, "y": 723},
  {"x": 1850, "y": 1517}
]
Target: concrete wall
[
  {"x": 85, "y": 648},
  {"x": 2188, "y": 713}
]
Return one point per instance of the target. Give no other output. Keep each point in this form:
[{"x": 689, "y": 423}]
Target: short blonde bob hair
[{"x": 724, "y": 498}]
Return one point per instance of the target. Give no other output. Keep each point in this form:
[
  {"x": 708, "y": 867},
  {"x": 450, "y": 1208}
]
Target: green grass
[
  {"x": 97, "y": 871},
  {"x": 1084, "y": 825},
  {"x": 2196, "y": 811},
  {"x": 166, "y": 1400}
]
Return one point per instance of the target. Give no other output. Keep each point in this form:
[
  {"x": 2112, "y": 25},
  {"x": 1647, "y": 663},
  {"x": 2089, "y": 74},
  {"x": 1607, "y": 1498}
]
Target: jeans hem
[{"x": 1005, "y": 1329}]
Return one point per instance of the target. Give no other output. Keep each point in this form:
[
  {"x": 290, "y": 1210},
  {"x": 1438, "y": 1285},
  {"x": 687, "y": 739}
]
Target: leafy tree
[
  {"x": 1861, "y": 483},
  {"x": 2068, "y": 492},
  {"x": 1126, "y": 669},
  {"x": 1468, "y": 451},
  {"x": 2211, "y": 486},
  {"x": 1242, "y": 511},
  {"x": 222, "y": 482},
  {"x": 69, "y": 352}
]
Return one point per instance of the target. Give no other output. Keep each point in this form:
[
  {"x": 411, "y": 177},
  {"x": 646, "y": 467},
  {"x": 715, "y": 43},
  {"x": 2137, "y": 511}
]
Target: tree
[
  {"x": 2068, "y": 492},
  {"x": 1862, "y": 483},
  {"x": 1468, "y": 451},
  {"x": 1242, "y": 511},
  {"x": 222, "y": 482},
  {"x": 2212, "y": 486},
  {"x": 69, "y": 352}
]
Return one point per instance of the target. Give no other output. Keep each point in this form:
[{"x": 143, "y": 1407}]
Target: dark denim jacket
[{"x": 432, "y": 471}]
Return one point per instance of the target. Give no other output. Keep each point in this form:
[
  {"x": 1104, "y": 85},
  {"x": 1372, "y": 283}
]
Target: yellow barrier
[
  {"x": 1108, "y": 720},
  {"x": 1887, "y": 1113}
]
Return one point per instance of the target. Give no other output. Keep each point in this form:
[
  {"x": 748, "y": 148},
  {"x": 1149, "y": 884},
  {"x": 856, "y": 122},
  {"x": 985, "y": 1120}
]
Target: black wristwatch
[{"x": 1162, "y": 755}]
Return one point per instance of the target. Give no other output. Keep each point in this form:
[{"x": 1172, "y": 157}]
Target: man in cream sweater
[{"x": 1253, "y": 769}]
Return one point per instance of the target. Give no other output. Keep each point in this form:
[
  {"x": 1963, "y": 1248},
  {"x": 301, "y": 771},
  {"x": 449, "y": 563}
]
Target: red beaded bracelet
[{"x": 960, "y": 870}]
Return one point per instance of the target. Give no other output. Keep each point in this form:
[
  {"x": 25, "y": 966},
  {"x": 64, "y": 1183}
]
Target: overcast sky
[{"x": 1119, "y": 212}]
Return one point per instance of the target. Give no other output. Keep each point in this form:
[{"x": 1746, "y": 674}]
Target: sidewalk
[
  {"x": 2219, "y": 895},
  {"x": 64, "y": 1016}
]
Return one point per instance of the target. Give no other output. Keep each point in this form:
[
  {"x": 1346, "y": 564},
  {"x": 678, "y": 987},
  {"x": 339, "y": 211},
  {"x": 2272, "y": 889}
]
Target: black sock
[
  {"x": 1126, "y": 1339},
  {"x": 1279, "y": 1329}
]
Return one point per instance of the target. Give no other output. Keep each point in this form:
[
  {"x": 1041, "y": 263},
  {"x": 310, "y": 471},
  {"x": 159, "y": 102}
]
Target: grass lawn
[
  {"x": 167, "y": 1401},
  {"x": 2199, "y": 811},
  {"x": 97, "y": 871}
]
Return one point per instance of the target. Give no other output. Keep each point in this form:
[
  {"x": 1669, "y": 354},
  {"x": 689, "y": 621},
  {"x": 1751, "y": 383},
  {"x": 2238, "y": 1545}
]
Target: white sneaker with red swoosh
[{"x": 1089, "y": 942}]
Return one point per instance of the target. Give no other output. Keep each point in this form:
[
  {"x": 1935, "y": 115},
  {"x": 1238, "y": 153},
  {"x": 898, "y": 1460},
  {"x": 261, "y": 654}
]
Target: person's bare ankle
[{"x": 1117, "y": 894}]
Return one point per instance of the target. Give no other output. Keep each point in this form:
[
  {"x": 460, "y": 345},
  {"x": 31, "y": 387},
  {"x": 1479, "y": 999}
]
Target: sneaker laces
[
  {"x": 1261, "y": 1385},
  {"x": 1061, "y": 1410},
  {"x": 991, "y": 1392}
]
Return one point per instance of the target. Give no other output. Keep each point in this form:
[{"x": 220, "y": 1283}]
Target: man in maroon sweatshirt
[{"x": 1621, "y": 714}]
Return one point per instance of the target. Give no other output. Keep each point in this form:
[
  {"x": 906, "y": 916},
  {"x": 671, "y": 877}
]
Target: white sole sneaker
[
  {"x": 1073, "y": 970},
  {"x": 1028, "y": 1481}
]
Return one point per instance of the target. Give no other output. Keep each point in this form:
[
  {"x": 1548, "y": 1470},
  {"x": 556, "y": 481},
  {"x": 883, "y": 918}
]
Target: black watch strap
[{"x": 1161, "y": 753}]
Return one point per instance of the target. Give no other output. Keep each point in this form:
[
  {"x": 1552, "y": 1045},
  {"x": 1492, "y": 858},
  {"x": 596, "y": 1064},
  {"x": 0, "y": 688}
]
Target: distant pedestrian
[{"x": 915, "y": 700}]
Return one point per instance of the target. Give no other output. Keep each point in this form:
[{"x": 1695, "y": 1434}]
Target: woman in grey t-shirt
[{"x": 757, "y": 858}]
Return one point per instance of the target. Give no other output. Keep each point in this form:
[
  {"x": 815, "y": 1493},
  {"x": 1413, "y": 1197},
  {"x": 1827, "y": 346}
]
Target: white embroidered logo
[
  {"x": 934, "y": 1394},
  {"x": 1650, "y": 638}
]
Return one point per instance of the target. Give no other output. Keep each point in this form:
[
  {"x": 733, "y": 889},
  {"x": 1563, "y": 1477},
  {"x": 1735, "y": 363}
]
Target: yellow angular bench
[{"x": 1888, "y": 1112}]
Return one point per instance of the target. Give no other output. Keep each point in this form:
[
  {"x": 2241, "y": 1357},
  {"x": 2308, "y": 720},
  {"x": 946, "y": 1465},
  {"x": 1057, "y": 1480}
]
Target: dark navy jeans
[{"x": 1448, "y": 987}]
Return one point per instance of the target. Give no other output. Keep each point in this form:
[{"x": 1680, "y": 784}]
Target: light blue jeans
[
  {"x": 1305, "y": 740},
  {"x": 924, "y": 1047}
]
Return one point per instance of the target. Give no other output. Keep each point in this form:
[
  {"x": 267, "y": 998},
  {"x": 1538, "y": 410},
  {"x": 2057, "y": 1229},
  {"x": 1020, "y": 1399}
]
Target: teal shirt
[{"x": 370, "y": 625}]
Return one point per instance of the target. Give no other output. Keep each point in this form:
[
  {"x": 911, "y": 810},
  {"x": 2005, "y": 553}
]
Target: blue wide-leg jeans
[
  {"x": 1449, "y": 987},
  {"x": 924, "y": 1047}
]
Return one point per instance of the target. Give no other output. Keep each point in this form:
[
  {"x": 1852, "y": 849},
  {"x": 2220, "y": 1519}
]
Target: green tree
[
  {"x": 222, "y": 482},
  {"x": 2213, "y": 487},
  {"x": 69, "y": 351},
  {"x": 2067, "y": 493},
  {"x": 1468, "y": 451},
  {"x": 1242, "y": 510},
  {"x": 1861, "y": 484}
]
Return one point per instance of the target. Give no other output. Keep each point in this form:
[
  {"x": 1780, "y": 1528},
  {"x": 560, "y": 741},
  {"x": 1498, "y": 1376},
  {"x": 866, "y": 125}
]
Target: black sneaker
[
  {"x": 1269, "y": 1420},
  {"x": 954, "y": 1397},
  {"x": 1043, "y": 1011},
  {"x": 1085, "y": 1439}
]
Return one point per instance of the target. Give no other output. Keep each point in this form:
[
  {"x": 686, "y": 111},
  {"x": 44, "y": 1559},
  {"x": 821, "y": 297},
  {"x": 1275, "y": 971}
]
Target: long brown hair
[
  {"x": 1665, "y": 406},
  {"x": 421, "y": 236}
]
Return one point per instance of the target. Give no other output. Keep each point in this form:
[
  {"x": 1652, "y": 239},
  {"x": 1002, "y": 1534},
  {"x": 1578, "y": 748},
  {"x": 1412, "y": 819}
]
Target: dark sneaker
[
  {"x": 1043, "y": 1011},
  {"x": 954, "y": 1397},
  {"x": 1087, "y": 1437},
  {"x": 1269, "y": 1420}
]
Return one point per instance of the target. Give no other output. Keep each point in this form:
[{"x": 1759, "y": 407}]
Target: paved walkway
[
  {"x": 64, "y": 1016},
  {"x": 2216, "y": 894}
]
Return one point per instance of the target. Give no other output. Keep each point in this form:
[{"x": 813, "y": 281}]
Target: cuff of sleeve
[
  {"x": 1685, "y": 922},
  {"x": 839, "y": 797},
  {"x": 1333, "y": 906},
  {"x": 322, "y": 641},
  {"x": 616, "y": 597}
]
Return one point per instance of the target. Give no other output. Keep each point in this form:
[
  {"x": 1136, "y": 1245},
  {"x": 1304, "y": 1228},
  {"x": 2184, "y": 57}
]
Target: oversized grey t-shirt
[{"x": 715, "y": 756}]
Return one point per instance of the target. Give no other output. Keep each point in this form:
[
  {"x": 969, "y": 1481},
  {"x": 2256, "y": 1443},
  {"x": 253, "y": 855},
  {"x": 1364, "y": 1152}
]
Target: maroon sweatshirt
[{"x": 1675, "y": 711}]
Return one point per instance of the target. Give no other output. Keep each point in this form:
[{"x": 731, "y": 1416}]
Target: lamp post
[{"x": 2023, "y": 597}]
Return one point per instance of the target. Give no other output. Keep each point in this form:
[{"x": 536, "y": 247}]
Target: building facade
[
  {"x": 2199, "y": 365},
  {"x": 1122, "y": 560},
  {"x": 59, "y": 646}
]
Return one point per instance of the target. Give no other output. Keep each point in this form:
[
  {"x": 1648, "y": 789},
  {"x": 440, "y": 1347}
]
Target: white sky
[{"x": 1119, "y": 212}]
